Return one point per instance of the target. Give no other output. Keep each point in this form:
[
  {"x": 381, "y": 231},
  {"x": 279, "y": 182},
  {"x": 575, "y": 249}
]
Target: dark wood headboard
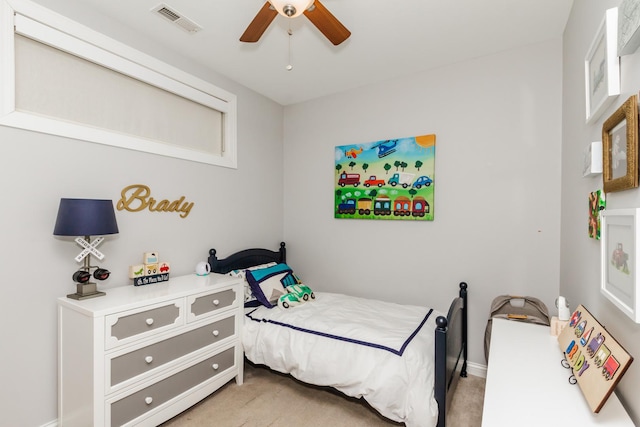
[{"x": 245, "y": 259}]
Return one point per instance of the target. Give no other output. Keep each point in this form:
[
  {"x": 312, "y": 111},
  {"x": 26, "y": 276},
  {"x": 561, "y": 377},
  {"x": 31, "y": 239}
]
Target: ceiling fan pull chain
[{"x": 289, "y": 67}]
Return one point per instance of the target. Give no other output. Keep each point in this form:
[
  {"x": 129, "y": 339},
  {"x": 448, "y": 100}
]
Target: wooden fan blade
[
  {"x": 259, "y": 25},
  {"x": 327, "y": 23}
]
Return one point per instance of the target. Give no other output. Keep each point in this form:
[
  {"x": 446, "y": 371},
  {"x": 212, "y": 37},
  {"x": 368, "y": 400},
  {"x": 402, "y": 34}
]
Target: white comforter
[{"x": 387, "y": 366}]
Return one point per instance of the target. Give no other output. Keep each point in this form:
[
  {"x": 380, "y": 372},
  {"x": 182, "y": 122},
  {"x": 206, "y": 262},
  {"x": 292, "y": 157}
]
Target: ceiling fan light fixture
[{"x": 291, "y": 8}]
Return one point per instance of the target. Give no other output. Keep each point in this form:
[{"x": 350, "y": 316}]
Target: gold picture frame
[{"x": 620, "y": 148}]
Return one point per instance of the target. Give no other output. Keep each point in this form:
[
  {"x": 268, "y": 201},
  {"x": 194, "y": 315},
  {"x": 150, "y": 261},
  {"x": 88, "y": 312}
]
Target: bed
[{"x": 404, "y": 360}]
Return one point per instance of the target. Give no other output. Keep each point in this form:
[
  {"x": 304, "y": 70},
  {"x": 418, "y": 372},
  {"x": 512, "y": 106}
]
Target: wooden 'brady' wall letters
[{"x": 137, "y": 197}]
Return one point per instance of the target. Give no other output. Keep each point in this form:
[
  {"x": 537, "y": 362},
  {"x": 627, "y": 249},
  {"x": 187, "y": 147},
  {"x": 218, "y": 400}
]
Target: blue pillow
[{"x": 268, "y": 284}]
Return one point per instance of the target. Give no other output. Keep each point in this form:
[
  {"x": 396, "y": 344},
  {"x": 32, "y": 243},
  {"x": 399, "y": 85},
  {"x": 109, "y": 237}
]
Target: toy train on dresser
[{"x": 383, "y": 205}]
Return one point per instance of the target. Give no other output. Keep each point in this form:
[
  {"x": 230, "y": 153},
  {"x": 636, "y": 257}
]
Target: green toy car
[{"x": 297, "y": 294}]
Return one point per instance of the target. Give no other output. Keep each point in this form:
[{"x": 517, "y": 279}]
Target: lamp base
[{"x": 86, "y": 291}]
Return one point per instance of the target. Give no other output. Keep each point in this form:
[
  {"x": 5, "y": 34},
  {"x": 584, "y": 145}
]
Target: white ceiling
[{"x": 390, "y": 38}]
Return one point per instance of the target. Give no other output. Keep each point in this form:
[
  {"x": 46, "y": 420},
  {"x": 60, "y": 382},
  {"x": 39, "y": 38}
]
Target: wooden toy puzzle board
[{"x": 597, "y": 360}]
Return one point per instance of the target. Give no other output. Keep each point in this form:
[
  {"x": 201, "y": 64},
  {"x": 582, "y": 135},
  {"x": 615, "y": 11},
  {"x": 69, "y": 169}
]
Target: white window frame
[{"x": 33, "y": 21}]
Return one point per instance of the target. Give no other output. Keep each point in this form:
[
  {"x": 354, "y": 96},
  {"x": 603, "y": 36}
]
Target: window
[{"x": 60, "y": 78}]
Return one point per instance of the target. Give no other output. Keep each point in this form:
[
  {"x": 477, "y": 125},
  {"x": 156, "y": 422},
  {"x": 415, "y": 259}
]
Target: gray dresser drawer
[
  {"x": 122, "y": 326},
  {"x": 153, "y": 356},
  {"x": 211, "y": 303},
  {"x": 136, "y": 404}
]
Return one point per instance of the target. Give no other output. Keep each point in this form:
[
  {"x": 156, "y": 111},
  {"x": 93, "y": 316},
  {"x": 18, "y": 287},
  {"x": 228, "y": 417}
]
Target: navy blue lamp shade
[{"x": 85, "y": 217}]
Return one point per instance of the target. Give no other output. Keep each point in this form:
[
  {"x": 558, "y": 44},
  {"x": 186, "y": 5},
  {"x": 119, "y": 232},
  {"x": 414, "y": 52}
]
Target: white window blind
[
  {"x": 56, "y": 84},
  {"x": 61, "y": 78}
]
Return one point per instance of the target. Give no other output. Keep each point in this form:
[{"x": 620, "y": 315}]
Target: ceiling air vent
[{"x": 176, "y": 18}]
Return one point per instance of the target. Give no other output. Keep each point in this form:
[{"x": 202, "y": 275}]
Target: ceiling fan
[{"x": 312, "y": 9}]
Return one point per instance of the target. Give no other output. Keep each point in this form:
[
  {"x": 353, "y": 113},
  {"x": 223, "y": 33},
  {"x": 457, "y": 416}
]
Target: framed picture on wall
[
  {"x": 619, "y": 259},
  {"x": 602, "y": 67},
  {"x": 620, "y": 148},
  {"x": 628, "y": 27}
]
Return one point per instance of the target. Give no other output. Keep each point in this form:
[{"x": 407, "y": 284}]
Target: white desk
[{"x": 527, "y": 386}]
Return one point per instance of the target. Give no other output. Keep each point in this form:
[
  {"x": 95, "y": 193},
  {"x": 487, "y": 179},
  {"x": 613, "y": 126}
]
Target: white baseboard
[
  {"x": 477, "y": 370},
  {"x": 53, "y": 423}
]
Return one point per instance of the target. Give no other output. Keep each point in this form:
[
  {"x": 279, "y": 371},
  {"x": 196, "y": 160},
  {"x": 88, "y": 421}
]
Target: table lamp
[{"x": 86, "y": 217}]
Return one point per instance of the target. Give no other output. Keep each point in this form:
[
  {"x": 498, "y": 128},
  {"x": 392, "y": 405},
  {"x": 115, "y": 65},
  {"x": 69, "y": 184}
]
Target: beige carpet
[{"x": 271, "y": 399}]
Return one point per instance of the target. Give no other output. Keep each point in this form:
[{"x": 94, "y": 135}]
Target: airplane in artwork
[{"x": 353, "y": 153}]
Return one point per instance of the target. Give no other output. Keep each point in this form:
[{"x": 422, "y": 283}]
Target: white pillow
[{"x": 248, "y": 295}]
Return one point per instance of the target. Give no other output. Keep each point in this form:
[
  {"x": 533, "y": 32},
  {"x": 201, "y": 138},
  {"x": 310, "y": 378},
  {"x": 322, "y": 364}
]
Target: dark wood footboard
[{"x": 450, "y": 353}]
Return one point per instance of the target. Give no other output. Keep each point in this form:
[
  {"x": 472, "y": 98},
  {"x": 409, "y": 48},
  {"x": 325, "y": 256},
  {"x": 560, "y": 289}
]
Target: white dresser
[
  {"x": 527, "y": 385},
  {"x": 141, "y": 355}
]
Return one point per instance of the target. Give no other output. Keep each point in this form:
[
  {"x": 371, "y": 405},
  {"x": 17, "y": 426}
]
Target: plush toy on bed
[{"x": 296, "y": 295}]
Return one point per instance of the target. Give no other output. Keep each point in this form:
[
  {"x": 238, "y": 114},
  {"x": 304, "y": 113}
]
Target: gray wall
[
  {"x": 230, "y": 212},
  {"x": 580, "y": 256},
  {"x": 497, "y": 196}
]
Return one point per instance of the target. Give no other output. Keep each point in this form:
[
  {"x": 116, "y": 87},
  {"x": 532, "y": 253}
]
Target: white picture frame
[
  {"x": 602, "y": 67},
  {"x": 592, "y": 163},
  {"x": 619, "y": 259},
  {"x": 628, "y": 27}
]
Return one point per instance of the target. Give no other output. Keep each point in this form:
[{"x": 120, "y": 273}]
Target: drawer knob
[
  {"x": 148, "y": 400},
  {"x": 149, "y": 321},
  {"x": 148, "y": 359},
  {"x": 216, "y": 333},
  {"x": 215, "y": 366},
  {"x": 216, "y": 302}
]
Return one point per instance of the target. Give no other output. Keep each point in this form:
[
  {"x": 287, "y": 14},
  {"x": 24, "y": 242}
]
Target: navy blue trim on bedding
[
  {"x": 397, "y": 352},
  {"x": 252, "y": 303}
]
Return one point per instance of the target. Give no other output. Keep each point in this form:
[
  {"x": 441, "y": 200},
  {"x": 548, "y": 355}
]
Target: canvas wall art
[
  {"x": 390, "y": 179},
  {"x": 596, "y": 204}
]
